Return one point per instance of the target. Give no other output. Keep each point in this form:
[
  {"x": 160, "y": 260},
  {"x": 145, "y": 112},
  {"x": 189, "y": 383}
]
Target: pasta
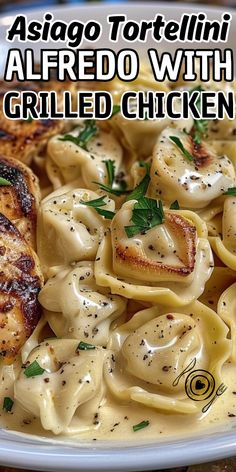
[
  {"x": 174, "y": 268},
  {"x": 136, "y": 243},
  {"x": 84, "y": 310},
  {"x": 156, "y": 346}
]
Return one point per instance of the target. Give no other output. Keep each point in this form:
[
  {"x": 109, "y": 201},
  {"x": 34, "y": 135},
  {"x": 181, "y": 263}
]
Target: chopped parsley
[
  {"x": 4, "y": 182},
  {"x": 180, "y": 145},
  {"x": 143, "y": 424},
  {"x": 174, "y": 205},
  {"x": 112, "y": 179},
  {"x": 106, "y": 213},
  {"x": 110, "y": 166},
  {"x": 97, "y": 204},
  {"x": 200, "y": 126},
  {"x": 33, "y": 369},
  {"x": 82, "y": 346},
  {"x": 7, "y": 404},
  {"x": 29, "y": 119},
  {"x": 231, "y": 191},
  {"x": 84, "y": 136},
  {"x": 141, "y": 189},
  {"x": 147, "y": 213},
  {"x": 115, "y": 110}
]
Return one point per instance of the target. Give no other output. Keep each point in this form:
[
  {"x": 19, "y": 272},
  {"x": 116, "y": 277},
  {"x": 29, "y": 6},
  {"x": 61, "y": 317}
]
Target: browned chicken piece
[
  {"x": 19, "y": 201},
  {"x": 24, "y": 139},
  {"x": 20, "y": 282}
]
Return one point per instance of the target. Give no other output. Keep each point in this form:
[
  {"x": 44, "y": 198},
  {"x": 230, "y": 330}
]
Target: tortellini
[
  {"x": 69, "y": 390},
  {"x": 67, "y": 160},
  {"x": 140, "y": 136},
  {"x": 68, "y": 230},
  {"x": 194, "y": 182},
  {"x": 77, "y": 307},
  {"x": 154, "y": 352},
  {"x": 225, "y": 246},
  {"x": 170, "y": 263}
]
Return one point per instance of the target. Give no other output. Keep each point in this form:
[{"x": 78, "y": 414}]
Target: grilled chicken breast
[
  {"x": 19, "y": 201},
  {"x": 20, "y": 282},
  {"x": 24, "y": 139}
]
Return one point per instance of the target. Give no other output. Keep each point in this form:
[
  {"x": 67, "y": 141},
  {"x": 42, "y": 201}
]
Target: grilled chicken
[
  {"x": 19, "y": 201},
  {"x": 20, "y": 282},
  {"x": 23, "y": 139}
]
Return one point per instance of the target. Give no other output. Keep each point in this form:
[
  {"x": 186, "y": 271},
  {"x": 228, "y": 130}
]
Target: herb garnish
[
  {"x": 33, "y": 369},
  {"x": 97, "y": 204},
  {"x": 111, "y": 169},
  {"x": 231, "y": 191},
  {"x": 200, "y": 125},
  {"x": 84, "y": 136},
  {"x": 7, "y": 404},
  {"x": 141, "y": 189},
  {"x": 143, "y": 424},
  {"x": 4, "y": 182},
  {"x": 146, "y": 214},
  {"x": 110, "y": 166},
  {"x": 174, "y": 205},
  {"x": 181, "y": 147},
  {"x": 29, "y": 119},
  {"x": 115, "y": 110},
  {"x": 82, "y": 346}
]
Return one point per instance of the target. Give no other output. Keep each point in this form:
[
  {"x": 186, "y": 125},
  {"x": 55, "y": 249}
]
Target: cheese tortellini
[
  {"x": 224, "y": 244},
  {"x": 77, "y": 307},
  {"x": 69, "y": 230},
  {"x": 67, "y": 160},
  {"x": 194, "y": 182},
  {"x": 154, "y": 352},
  {"x": 68, "y": 391},
  {"x": 170, "y": 263}
]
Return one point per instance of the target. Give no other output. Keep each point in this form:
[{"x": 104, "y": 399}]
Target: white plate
[{"x": 43, "y": 454}]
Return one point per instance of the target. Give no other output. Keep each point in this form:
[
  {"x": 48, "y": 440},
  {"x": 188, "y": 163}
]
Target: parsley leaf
[
  {"x": 96, "y": 204},
  {"x": 106, "y": 213},
  {"x": 141, "y": 189},
  {"x": 174, "y": 205},
  {"x": 7, "y": 404},
  {"x": 82, "y": 346},
  {"x": 110, "y": 166},
  {"x": 33, "y": 369},
  {"x": 143, "y": 424},
  {"x": 115, "y": 110},
  {"x": 146, "y": 214},
  {"x": 121, "y": 184},
  {"x": 181, "y": 147},
  {"x": 111, "y": 190},
  {"x": 200, "y": 125},
  {"x": 4, "y": 182},
  {"x": 29, "y": 119},
  {"x": 231, "y": 191},
  {"x": 84, "y": 136}
]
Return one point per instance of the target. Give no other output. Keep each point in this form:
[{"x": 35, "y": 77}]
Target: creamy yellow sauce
[{"x": 115, "y": 420}]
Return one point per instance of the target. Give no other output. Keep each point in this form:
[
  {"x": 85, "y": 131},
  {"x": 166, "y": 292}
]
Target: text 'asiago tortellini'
[
  {"x": 65, "y": 388},
  {"x": 68, "y": 229},
  {"x": 153, "y": 354},
  {"x": 82, "y": 153},
  {"x": 169, "y": 263},
  {"x": 77, "y": 307},
  {"x": 191, "y": 172}
]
